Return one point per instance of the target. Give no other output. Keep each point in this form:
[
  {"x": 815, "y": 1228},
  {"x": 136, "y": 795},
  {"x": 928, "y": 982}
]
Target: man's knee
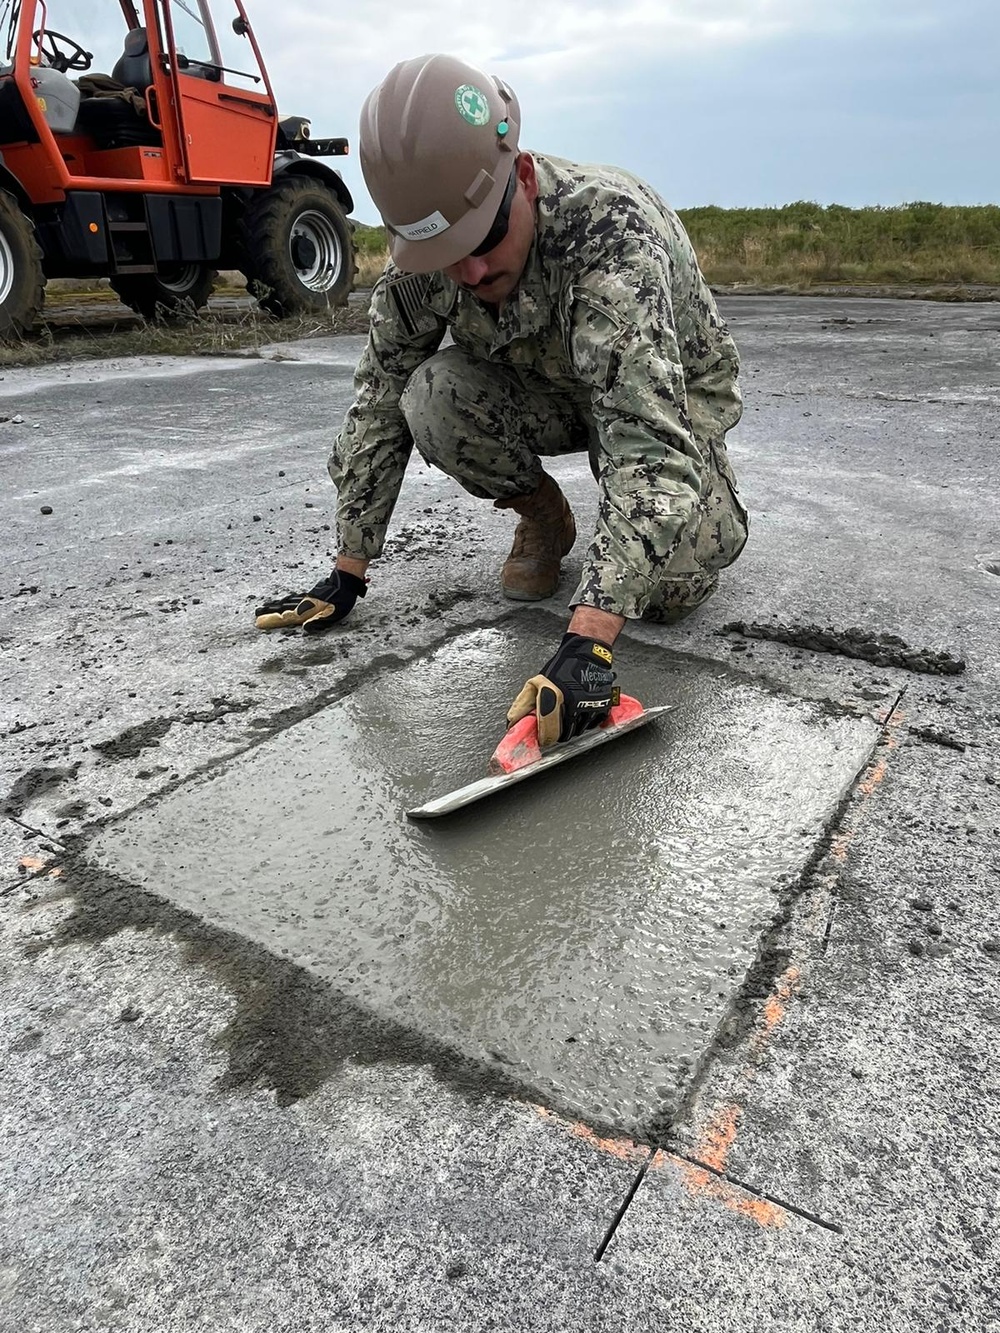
[
  {"x": 464, "y": 421},
  {"x": 713, "y": 540},
  {"x": 677, "y": 598},
  {"x": 436, "y": 383},
  {"x": 725, "y": 523},
  {"x": 439, "y": 398}
]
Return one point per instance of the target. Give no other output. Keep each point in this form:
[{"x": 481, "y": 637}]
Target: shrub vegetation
[{"x": 804, "y": 244}]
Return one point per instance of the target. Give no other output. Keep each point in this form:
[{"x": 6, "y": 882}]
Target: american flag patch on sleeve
[{"x": 408, "y": 294}]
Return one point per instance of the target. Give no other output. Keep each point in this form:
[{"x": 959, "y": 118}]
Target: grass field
[
  {"x": 935, "y": 250},
  {"x": 805, "y": 244}
]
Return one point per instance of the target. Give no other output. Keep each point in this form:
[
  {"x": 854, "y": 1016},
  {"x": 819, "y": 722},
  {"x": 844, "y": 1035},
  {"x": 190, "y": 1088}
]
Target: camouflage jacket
[{"x": 613, "y": 310}]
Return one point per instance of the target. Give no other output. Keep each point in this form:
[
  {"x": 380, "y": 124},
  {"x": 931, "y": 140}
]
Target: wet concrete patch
[{"x": 587, "y": 930}]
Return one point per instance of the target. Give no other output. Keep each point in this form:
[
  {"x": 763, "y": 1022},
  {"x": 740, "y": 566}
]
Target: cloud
[{"x": 726, "y": 101}]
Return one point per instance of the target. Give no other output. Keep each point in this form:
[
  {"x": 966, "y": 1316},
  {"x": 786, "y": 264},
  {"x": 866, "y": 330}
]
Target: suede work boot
[{"x": 544, "y": 535}]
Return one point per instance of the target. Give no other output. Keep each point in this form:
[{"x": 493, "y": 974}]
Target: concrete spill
[
  {"x": 587, "y": 929},
  {"x": 882, "y": 650}
]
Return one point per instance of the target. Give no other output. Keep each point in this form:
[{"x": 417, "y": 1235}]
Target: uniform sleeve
[
  {"x": 624, "y": 348},
  {"x": 371, "y": 453}
]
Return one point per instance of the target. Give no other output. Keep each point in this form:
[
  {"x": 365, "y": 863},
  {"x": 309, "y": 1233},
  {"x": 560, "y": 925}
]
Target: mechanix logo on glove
[
  {"x": 572, "y": 693},
  {"x": 596, "y": 676}
]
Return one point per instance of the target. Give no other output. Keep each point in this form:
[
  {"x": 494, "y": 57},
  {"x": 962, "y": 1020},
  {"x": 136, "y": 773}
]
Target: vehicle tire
[
  {"x": 22, "y": 281},
  {"x": 298, "y": 249},
  {"x": 175, "y": 294}
]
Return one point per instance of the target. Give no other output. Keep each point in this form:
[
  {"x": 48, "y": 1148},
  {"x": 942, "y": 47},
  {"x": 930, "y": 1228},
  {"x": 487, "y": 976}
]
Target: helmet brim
[{"x": 454, "y": 244}]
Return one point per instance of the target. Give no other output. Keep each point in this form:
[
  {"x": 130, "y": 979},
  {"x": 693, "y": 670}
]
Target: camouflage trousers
[{"x": 488, "y": 426}]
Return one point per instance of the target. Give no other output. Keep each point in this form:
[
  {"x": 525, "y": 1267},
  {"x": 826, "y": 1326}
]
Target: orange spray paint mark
[
  {"x": 712, "y": 1149},
  {"x": 626, "y": 1150},
  {"x": 776, "y": 1004},
  {"x": 718, "y": 1136},
  {"x": 839, "y": 845},
  {"x": 702, "y": 1184}
]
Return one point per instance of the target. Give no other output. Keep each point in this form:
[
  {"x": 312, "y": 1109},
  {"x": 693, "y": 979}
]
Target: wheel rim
[
  {"x": 6, "y": 269},
  {"x": 181, "y": 280},
  {"x": 315, "y": 229}
]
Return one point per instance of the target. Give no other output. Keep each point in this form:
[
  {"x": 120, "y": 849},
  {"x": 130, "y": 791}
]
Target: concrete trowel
[{"x": 519, "y": 756}]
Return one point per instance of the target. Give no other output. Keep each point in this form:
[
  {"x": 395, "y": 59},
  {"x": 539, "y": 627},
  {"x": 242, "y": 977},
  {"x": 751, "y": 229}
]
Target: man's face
[{"x": 494, "y": 276}]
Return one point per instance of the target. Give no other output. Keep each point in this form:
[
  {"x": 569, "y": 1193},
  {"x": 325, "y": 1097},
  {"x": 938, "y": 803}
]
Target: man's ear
[{"x": 526, "y": 176}]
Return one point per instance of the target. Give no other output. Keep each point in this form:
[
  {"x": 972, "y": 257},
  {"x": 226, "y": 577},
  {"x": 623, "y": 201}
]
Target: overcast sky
[{"x": 729, "y": 102}]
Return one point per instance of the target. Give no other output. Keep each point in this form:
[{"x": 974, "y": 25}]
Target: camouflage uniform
[{"x": 612, "y": 343}]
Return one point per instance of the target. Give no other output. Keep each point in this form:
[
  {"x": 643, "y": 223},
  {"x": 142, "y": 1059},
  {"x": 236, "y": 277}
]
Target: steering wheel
[{"x": 48, "y": 43}]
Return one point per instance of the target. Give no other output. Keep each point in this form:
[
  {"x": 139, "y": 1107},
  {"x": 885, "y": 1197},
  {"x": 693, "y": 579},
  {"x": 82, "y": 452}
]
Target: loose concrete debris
[
  {"x": 883, "y": 650},
  {"x": 936, "y": 737}
]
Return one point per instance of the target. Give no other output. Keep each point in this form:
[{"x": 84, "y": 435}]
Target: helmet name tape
[{"x": 432, "y": 225}]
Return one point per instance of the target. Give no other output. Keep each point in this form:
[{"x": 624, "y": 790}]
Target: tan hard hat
[{"x": 438, "y": 144}]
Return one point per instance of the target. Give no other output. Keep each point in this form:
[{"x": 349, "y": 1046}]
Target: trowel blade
[{"x": 558, "y": 754}]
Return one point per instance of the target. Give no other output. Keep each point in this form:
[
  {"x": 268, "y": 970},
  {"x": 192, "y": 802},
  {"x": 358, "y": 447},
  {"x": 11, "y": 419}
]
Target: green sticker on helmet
[{"x": 472, "y": 104}]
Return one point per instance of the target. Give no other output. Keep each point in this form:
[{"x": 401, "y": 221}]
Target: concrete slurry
[
  {"x": 199, "y": 1132},
  {"x": 587, "y": 931}
]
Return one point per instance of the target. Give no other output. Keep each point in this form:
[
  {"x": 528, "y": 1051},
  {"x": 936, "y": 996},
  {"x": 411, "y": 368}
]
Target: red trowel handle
[{"x": 520, "y": 747}]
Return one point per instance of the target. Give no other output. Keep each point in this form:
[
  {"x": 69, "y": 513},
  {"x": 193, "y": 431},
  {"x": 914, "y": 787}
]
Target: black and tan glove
[
  {"x": 574, "y": 691},
  {"x": 317, "y": 610}
]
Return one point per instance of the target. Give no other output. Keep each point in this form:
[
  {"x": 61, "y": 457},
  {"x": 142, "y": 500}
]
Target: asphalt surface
[{"x": 201, "y": 1129}]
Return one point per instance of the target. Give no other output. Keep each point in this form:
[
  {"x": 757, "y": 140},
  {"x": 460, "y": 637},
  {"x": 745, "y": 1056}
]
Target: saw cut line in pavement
[
  {"x": 590, "y": 933},
  {"x": 671, "y": 1150},
  {"x": 626, "y": 1203},
  {"x": 804, "y": 1213}
]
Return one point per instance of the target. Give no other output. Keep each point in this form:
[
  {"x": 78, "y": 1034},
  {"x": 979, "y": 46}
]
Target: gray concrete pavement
[{"x": 199, "y": 1133}]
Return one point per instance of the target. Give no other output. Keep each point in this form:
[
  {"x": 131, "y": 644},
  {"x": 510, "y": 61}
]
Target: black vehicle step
[{"x": 127, "y": 226}]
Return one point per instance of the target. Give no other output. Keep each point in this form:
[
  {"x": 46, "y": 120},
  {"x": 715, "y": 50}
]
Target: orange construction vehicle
[{"x": 156, "y": 175}]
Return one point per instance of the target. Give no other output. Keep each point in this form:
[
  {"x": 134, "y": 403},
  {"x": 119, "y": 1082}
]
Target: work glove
[
  {"x": 317, "y": 610},
  {"x": 574, "y": 691}
]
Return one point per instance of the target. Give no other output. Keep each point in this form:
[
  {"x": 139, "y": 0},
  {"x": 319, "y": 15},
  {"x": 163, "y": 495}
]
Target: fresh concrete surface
[
  {"x": 189, "y": 1137},
  {"x": 587, "y": 932}
]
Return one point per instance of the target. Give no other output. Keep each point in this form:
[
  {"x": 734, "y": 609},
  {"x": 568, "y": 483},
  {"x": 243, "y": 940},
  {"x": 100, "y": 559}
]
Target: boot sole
[{"x": 516, "y": 595}]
